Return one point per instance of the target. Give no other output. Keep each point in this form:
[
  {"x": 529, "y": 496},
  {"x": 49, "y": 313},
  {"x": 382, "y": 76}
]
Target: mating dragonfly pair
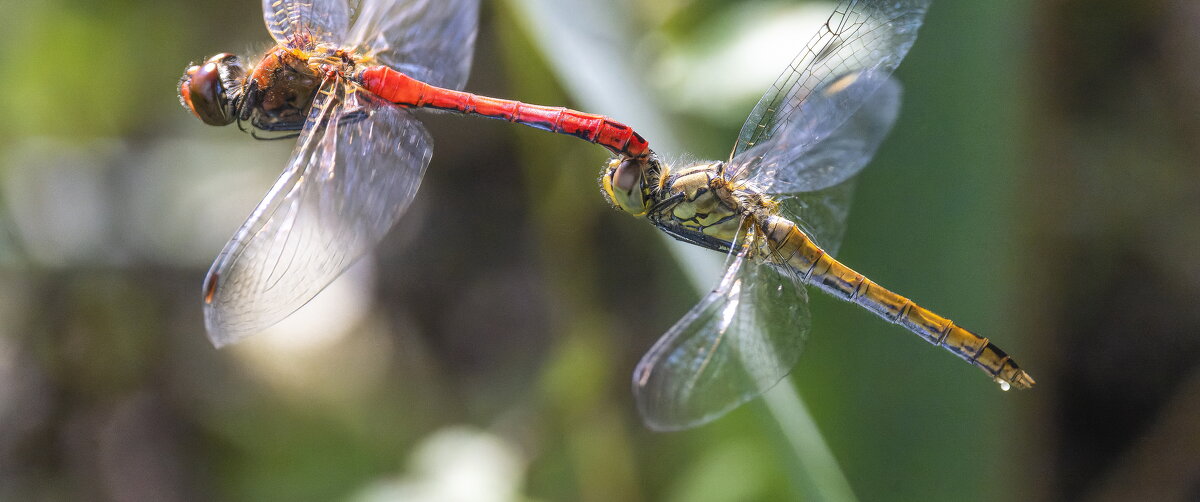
[{"x": 346, "y": 81}]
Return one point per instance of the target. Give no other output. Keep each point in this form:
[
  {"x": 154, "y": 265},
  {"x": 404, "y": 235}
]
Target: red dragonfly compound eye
[{"x": 208, "y": 89}]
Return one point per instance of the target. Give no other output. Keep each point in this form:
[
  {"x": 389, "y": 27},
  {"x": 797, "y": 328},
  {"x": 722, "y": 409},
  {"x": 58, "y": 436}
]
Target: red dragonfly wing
[
  {"x": 810, "y": 163},
  {"x": 740, "y": 340},
  {"x": 355, "y": 169},
  {"x": 322, "y": 20},
  {"x": 429, "y": 40},
  {"x": 861, "y": 36}
]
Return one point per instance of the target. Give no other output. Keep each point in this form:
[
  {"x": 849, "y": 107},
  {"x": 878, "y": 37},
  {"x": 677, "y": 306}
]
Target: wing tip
[
  {"x": 218, "y": 329},
  {"x": 659, "y": 418},
  {"x": 221, "y": 338},
  {"x": 217, "y": 336}
]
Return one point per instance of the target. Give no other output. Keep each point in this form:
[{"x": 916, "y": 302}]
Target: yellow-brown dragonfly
[{"x": 778, "y": 208}]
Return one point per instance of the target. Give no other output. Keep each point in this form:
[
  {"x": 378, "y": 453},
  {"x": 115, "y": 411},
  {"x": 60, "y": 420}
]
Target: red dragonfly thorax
[
  {"x": 274, "y": 96},
  {"x": 280, "y": 90}
]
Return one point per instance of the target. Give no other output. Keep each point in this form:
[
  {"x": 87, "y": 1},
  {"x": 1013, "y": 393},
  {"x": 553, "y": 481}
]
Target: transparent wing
[
  {"x": 430, "y": 40},
  {"x": 322, "y": 20},
  {"x": 740, "y": 340},
  {"x": 355, "y": 170},
  {"x": 810, "y": 167},
  {"x": 861, "y": 35},
  {"x": 809, "y": 154}
]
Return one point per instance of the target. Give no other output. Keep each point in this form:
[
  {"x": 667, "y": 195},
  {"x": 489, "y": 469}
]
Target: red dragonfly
[{"x": 343, "y": 84}]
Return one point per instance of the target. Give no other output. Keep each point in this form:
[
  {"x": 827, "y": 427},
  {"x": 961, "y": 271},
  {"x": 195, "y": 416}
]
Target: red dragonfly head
[{"x": 211, "y": 90}]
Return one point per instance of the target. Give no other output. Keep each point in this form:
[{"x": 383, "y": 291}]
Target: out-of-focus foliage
[{"x": 1039, "y": 188}]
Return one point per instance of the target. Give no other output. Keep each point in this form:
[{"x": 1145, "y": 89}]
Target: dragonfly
[
  {"x": 777, "y": 207},
  {"x": 343, "y": 78}
]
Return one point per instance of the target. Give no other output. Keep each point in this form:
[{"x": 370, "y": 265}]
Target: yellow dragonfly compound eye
[{"x": 624, "y": 183}]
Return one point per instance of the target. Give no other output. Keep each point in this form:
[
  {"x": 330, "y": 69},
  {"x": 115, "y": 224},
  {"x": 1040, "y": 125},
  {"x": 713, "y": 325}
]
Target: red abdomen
[{"x": 406, "y": 91}]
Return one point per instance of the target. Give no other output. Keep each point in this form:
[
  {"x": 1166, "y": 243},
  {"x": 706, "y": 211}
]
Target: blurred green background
[{"x": 1040, "y": 188}]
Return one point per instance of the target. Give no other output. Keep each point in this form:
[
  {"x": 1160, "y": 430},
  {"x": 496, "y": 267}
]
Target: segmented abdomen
[
  {"x": 407, "y": 91},
  {"x": 790, "y": 246}
]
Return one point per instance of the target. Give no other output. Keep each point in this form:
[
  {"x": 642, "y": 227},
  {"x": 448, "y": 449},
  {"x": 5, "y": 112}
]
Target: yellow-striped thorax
[{"x": 696, "y": 204}]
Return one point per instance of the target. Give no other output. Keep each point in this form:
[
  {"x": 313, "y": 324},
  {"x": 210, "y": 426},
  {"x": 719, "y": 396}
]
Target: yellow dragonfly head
[{"x": 629, "y": 183}]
